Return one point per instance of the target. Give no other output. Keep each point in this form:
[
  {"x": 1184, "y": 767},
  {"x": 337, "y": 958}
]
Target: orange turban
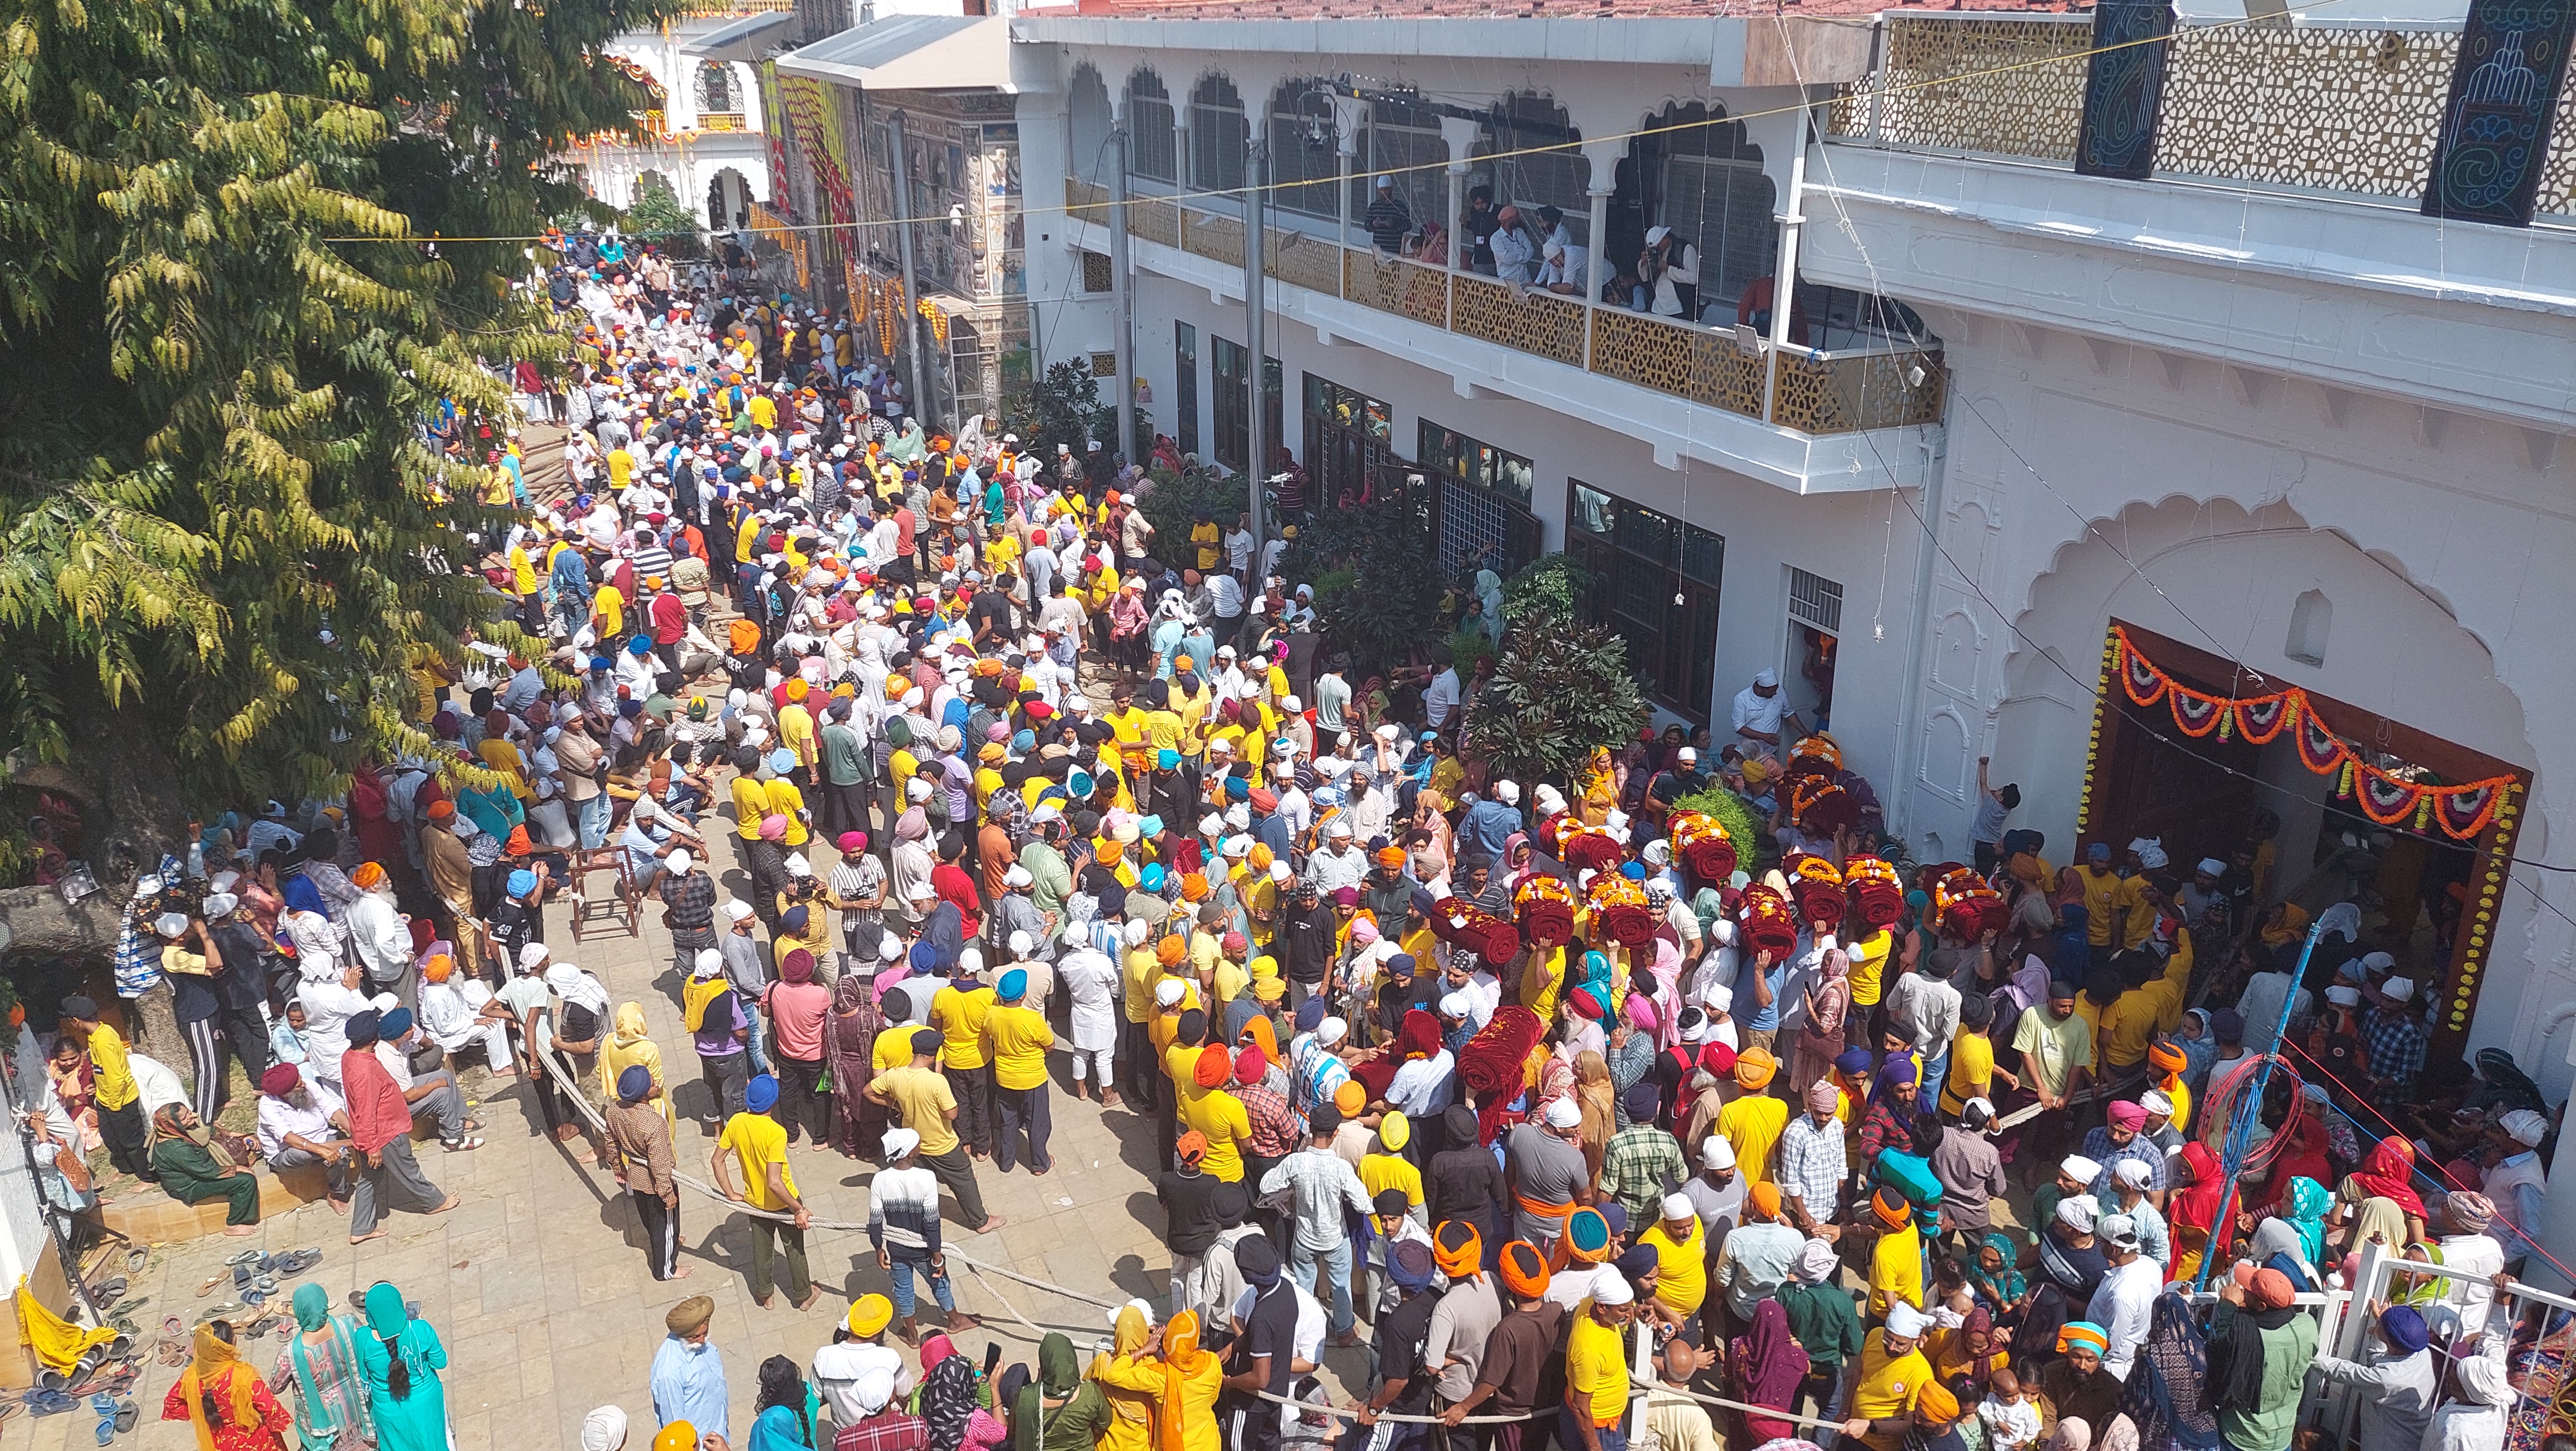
[
  {"x": 1194, "y": 888},
  {"x": 1170, "y": 951},
  {"x": 1457, "y": 1249},
  {"x": 1525, "y": 1271},
  {"x": 797, "y": 688},
  {"x": 439, "y": 968},
  {"x": 1350, "y": 1097},
  {"x": 1390, "y": 857},
  {"x": 1215, "y": 1066},
  {"x": 1765, "y": 1199},
  {"x": 367, "y": 876},
  {"x": 1891, "y": 1208}
]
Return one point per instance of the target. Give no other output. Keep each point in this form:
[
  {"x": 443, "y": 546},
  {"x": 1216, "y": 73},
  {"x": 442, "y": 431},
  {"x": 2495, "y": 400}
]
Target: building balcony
[
  {"x": 721, "y": 121},
  {"x": 2320, "y": 107},
  {"x": 1798, "y": 417}
]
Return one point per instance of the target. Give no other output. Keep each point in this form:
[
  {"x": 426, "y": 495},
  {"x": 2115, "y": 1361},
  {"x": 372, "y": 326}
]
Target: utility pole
[
  {"x": 1121, "y": 305},
  {"x": 1256, "y": 172}
]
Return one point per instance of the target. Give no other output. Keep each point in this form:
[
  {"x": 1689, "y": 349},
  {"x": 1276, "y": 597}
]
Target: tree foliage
[
  {"x": 1065, "y": 408},
  {"x": 1552, "y": 584},
  {"x": 1377, "y": 588},
  {"x": 223, "y": 543},
  {"x": 1559, "y": 690},
  {"x": 660, "y": 218},
  {"x": 1746, "y": 830}
]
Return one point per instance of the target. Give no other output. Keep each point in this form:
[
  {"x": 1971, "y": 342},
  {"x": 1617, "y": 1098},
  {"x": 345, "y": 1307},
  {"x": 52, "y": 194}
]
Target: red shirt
[
  {"x": 377, "y": 1113},
  {"x": 670, "y": 618},
  {"x": 953, "y": 885}
]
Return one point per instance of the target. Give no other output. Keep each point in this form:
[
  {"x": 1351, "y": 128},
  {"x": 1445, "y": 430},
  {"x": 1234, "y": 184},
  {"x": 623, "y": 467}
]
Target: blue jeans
[
  {"x": 594, "y": 822},
  {"x": 1936, "y": 1073},
  {"x": 904, "y": 1301},
  {"x": 1336, "y": 1263},
  {"x": 759, "y": 1046},
  {"x": 1569, "y": 1433}
]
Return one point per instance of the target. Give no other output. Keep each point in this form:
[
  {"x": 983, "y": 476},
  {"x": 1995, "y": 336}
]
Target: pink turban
[
  {"x": 1823, "y": 1097},
  {"x": 2127, "y": 1115},
  {"x": 1363, "y": 932}
]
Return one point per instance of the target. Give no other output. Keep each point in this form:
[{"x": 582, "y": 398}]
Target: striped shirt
[
  {"x": 651, "y": 561},
  {"x": 903, "y": 1213}
]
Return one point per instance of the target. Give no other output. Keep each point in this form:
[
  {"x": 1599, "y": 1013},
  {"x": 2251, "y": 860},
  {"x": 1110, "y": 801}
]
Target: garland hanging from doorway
[{"x": 2461, "y": 811}]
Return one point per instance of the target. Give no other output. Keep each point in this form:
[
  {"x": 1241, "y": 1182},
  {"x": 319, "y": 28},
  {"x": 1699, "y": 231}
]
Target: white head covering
[
  {"x": 2397, "y": 989},
  {"x": 1678, "y": 1207},
  {"x": 1717, "y": 1153},
  {"x": 1563, "y": 1114},
  {"x": 532, "y": 956},
  {"x": 899, "y": 1142},
  {"x": 1906, "y": 1321},
  {"x": 605, "y": 1429},
  {"x": 576, "y": 986},
  {"x": 1170, "y": 990},
  {"x": 1609, "y": 1287},
  {"x": 708, "y": 963},
  {"x": 1331, "y": 1031}
]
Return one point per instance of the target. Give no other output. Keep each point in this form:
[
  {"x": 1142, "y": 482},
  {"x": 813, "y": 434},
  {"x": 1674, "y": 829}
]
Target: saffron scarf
[
  {"x": 697, "y": 996},
  {"x": 217, "y": 1367}
]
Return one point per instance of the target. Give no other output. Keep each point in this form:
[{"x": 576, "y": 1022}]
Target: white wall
[{"x": 1844, "y": 537}]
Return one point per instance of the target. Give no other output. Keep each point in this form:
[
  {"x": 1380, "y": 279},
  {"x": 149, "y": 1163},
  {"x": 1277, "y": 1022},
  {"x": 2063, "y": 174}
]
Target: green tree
[
  {"x": 1559, "y": 690},
  {"x": 224, "y": 545},
  {"x": 659, "y": 218}
]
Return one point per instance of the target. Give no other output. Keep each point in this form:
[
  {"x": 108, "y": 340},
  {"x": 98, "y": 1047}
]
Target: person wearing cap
[
  {"x": 1321, "y": 1187},
  {"x": 1681, "y": 1248},
  {"x": 295, "y": 1131},
  {"x": 758, "y": 1143},
  {"x": 1971, "y": 1172},
  {"x": 1016, "y": 1038},
  {"x": 1388, "y": 219},
  {"x": 1406, "y": 1376},
  {"x": 958, "y": 1011},
  {"x": 2123, "y": 1303},
  {"x": 688, "y": 1376},
  {"x": 1882, "y": 1385},
  {"x": 1761, "y": 714},
  {"x": 1596, "y": 1369},
  {"x": 903, "y": 1226},
  {"x": 920, "y": 1098},
  {"x": 2464, "y": 1219},
  {"x": 2514, "y": 1183},
  {"x": 639, "y": 1153},
  {"x": 2395, "y": 1035}
]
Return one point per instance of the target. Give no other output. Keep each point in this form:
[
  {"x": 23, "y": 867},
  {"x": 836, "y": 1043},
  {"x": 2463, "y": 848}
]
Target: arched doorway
[
  {"x": 728, "y": 200},
  {"x": 2245, "y": 606}
]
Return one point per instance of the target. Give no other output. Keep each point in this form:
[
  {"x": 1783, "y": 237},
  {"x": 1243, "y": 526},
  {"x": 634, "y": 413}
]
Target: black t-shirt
[
  {"x": 1189, "y": 1211},
  {"x": 239, "y": 985},
  {"x": 991, "y": 610},
  {"x": 192, "y": 997},
  {"x": 1400, "y": 1336},
  {"x": 1463, "y": 1183},
  {"x": 1271, "y": 1329}
]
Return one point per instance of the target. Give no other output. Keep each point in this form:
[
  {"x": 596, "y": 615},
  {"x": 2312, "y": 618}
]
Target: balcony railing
[
  {"x": 720, "y": 121},
  {"x": 1843, "y": 391},
  {"x": 2348, "y": 108}
]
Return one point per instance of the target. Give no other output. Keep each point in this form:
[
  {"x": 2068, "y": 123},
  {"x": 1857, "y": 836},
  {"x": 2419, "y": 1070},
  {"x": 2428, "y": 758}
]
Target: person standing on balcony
[
  {"x": 1515, "y": 255},
  {"x": 1478, "y": 228},
  {"x": 1388, "y": 218},
  {"x": 1668, "y": 276}
]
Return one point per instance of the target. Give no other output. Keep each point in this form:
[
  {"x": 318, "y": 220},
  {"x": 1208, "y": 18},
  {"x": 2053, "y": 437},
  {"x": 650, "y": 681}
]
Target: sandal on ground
[
  {"x": 127, "y": 1413},
  {"x": 461, "y": 1146}
]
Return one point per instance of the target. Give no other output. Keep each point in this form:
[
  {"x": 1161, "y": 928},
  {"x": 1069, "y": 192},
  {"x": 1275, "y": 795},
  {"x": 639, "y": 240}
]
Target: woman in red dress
[{"x": 223, "y": 1400}]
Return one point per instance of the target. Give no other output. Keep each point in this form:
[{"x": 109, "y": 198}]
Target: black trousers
[
  {"x": 1024, "y": 1124},
  {"x": 128, "y": 1140},
  {"x": 799, "y": 1105},
  {"x": 661, "y": 1233},
  {"x": 973, "y": 1089}
]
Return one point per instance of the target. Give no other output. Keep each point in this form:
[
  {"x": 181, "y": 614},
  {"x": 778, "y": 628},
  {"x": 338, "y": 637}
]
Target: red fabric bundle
[
  {"x": 1964, "y": 905},
  {"x": 1817, "y": 888},
  {"x": 1460, "y": 922},
  {"x": 1877, "y": 894},
  {"x": 1589, "y": 848},
  {"x": 1767, "y": 923},
  {"x": 1822, "y": 808},
  {"x": 1706, "y": 851},
  {"x": 1619, "y": 910},
  {"x": 1495, "y": 1065},
  {"x": 1546, "y": 910},
  {"x": 1816, "y": 756}
]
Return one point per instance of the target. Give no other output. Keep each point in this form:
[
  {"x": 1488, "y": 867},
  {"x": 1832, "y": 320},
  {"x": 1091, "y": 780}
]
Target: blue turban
[
  {"x": 640, "y": 646},
  {"x": 363, "y": 1028},
  {"x": 1633, "y": 871},
  {"x": 1013, "y": 986},
  {"x": 782, "y": 760},
  {"x": 1024, "y": 742},
  {"x": 1151, "y": 879},
  {"x": 396, "y": 1022},
  {"x": 634, "y": 1083},
  {"x": 1237, "y": 789},
  {"x": 793, "y": 920},
  {"x": 1855, "y": 1060},
  {"x": 601, "y": 662},
  {"x": 924, "y": 957},
  {"x": 761, "y": 1095},
  {"x": 521, "y": 882},
  {"x": 1167, "y": 759},
  {"x": 1149, "y": 828},
  {"x": 2405, "y": 1328}
]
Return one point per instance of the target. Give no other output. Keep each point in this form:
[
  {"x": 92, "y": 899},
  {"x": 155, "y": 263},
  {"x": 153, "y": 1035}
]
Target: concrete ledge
[{"x": 153, "y": 1217}]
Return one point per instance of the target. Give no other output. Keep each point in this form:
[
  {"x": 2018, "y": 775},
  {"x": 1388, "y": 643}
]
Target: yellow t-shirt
[
  {"x": 785, "y": 800},
  {"x": 2106, "y": 893},
  {"x": 1753, "y": 1125},
  {"x": 112, "y": 1082},
  {"x": 523, "y": 570},
  {"x": 1868, "y": 961},
  {"x": 1896, "y": 1271},
  {"x": 1596, "y": 1364},
  {"x": 621, "y": 468},
  {"x": 960, "y": 1017},
  {"x": 1205, "y": 535},
  {"x": 1138, "y": 978},
  {"x": 1381, "y": 1172},
  {"x": 1972, "y": 1072},
  {"x": 1887, "y": 1388},
  {"x": 759, "y": 1141},
  {"x": 923, "y": 1101},
  {"x": 893, "y": 1048},
  {"x": 1219, "y": 1115},
  {"x": 763, "y": 411},
  {"x": 796, "y": 732},
  {"x": 1682, "y": 1279},
  {"x": 750, "y": 801},
  {"x": 610, "y": 607},
  {"x": 1018, "y": 1039},
  {"x": 2127, "y": 1025}
]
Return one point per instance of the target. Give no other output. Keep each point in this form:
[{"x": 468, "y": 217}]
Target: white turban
[
  {"x": 1170, "y": 990},
  {"x": 1609, "y": 1288},
  {"x": 1563, "y": 1114},
  {"x": 1331, "y": 1031},
  {"x": 899, "y": 1142},
  {"x": 1905, "y": 1321},
  {"x": 873, "y": 1389},
  {"x": 1021, "y": 946},
  {"x": 603, "y": 1429}
]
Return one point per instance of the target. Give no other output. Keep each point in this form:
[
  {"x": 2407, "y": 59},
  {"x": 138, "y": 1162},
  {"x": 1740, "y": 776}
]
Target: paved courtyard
[{"x": 536, "y": 1281}]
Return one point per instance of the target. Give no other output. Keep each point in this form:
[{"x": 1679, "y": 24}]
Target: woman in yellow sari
[{"x": 628, "y": 1046}]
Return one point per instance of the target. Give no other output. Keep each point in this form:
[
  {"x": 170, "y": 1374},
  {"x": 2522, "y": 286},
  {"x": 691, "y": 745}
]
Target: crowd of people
[{"x": 1614, "y": 1126}]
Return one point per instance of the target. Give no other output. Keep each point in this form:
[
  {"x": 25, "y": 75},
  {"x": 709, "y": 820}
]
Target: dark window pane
[
  {"x": 1593, "y": 513},
  {"x": 1703, "y": 555}
]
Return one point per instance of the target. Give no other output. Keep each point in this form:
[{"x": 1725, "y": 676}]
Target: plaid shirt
[
  {"x": 2397, "y": 1048},
  {"x": 1640, "y": 1164},
  {"x": 1813, "y": 1166},
  {"x": 692, "y": 899},
  {"x": 2099, "y": 1148},
  {"x": 888, "y": 1430},
  {"x": 1276, "y": 1132}
]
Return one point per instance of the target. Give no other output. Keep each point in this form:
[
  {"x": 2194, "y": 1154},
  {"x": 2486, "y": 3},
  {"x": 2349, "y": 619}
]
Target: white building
[
  {"x": 706, "y": 141},
  {"x": 2251, "y": 408}
]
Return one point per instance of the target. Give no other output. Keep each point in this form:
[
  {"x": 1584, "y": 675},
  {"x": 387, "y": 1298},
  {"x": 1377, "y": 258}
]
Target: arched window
[
  {"x": 2311, "y": 621},
  {"x": 1305, "y": 150},
  {"x": 716, "y": 88},
  {"x": 1087, "y": 108},
  {"x": 1153, "y": 150},
  {"x": 1403, "y": 143},
  {"x": 1532, "y": 157},
  {"x": 1703, "y": 179},
  {"x": 1219, "y": 136}
]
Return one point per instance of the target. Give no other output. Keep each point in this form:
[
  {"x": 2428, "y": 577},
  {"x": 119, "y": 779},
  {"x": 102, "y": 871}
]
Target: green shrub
[{"x": 1752, "y": 848}]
